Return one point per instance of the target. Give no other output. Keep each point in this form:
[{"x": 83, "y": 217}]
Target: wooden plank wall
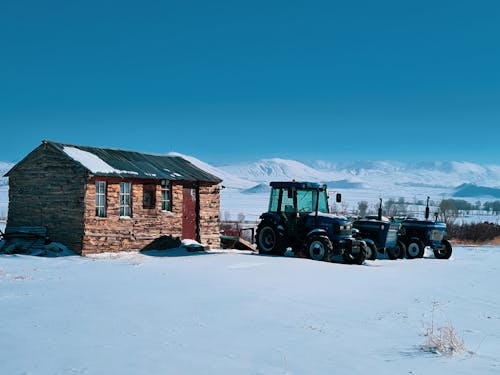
[{"x": 47, "y": 190}]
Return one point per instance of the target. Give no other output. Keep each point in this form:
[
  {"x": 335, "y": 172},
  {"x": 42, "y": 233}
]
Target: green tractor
[{"x": 298, "y": 218}]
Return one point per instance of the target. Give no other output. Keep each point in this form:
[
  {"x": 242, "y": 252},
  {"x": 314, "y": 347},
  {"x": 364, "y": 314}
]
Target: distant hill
[
  {"x": 229, "y": 180},
  {"x": 257, "y": 189},
  {"x": 382, "y": 176},
  {"x": 343, "y": 184},
  {"x": 375, "y": 178},
  {"x": 472, "y": 190}
]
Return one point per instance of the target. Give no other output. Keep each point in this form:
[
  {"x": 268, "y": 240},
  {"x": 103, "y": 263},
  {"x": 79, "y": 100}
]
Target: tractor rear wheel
[
  {"x": 358, "y": 257},
  {"x": 270, "y": 239},
  {"x": 444, "y": 252},
  {"x": 319, "y": 248},
  {"x": 415, "y": 249},
  {"x": 397, "y": 252}
]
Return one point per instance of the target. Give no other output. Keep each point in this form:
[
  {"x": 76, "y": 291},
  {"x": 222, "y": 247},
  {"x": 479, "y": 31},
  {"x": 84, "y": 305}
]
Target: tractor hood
[
  {"x": 427, "y": 224},
  {"x": 331, "y": 223},
  {"x": 330, "y": 217}
]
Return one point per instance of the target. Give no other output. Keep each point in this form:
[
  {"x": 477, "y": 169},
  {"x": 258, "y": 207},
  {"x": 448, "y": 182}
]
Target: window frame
[
  {"x": 101, "y": 192},
  {"x": 125, "y": 204},
  {"x": 166, "y": 196}
]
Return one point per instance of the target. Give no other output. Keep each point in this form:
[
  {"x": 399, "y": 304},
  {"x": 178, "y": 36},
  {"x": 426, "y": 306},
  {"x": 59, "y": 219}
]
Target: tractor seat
[{"x": 289, "y": 208}]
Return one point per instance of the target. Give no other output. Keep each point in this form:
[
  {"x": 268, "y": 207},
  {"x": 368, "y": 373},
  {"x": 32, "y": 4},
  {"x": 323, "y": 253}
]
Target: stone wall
[
  {"x": 210, "y": 215},
  {"x": 115, "y": 233}
]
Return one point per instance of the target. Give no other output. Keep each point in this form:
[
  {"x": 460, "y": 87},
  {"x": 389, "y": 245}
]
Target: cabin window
[
  {"x": 148, "y": 196},
  {"x": 125, "y": 201},
  {"x": 100, "y": 198},
  {"x": 166, "y": 195}
]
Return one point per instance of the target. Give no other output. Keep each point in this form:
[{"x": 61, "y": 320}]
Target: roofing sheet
[{"x": 121, "y": 163}]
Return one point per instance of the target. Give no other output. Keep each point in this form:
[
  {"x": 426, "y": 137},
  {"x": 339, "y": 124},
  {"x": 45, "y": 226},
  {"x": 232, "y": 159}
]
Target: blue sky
[{"x": 235, "y": 81}]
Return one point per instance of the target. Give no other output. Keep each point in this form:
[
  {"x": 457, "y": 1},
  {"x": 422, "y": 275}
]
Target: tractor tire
[
  {"x": 270, "y": 239},
  {"x": 358, "y": 258},
  {"x": 443, "y": 252},
  {"x": 319, "y": 248},
  {"x": 415, "y": 249},
  {"x": 371, "y": 251},
  {"x": 397, "y": 252}
]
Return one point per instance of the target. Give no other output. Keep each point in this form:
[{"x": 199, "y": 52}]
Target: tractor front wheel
[
  {"x": 356, "y": 257},
  {"x": 319, "y": 248},
  {"x": 415, "y": 249},
  {"x": 270, "y": 239},
  {"x": 443, "y": 252}
]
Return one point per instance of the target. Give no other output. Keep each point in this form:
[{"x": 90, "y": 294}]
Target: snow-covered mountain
[
  {"x": 229, "y": 179},
  {"x": 437, "y": 173},
  {"x": 266, "y": 170},
  {"x": 383, "y": 178},
  {"x": 369, "y": 174}
]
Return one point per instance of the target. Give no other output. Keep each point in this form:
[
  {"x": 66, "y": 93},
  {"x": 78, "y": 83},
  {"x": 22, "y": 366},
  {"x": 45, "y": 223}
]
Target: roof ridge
[{"x": 110, "y": 148}]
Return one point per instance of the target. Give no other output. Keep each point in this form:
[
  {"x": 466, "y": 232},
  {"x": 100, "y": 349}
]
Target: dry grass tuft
[{"x": 441, "y": 339}]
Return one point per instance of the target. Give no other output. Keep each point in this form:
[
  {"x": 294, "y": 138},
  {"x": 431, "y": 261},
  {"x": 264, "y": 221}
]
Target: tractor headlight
[{"x": 436, "y": 235}]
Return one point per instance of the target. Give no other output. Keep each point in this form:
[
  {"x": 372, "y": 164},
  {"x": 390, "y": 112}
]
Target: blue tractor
[
  {"x": 417, "y": 234},
  {"x": 298, "y": 218},
  {"x": 380, "y": 235}
]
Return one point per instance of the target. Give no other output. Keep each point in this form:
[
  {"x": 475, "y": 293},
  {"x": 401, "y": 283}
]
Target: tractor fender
[
  {"x": 368, "y": 241},
  {"x": 272, "y": 217},
  {"x": 316, "y": 231},
  {"x": 414, "y": 239}
]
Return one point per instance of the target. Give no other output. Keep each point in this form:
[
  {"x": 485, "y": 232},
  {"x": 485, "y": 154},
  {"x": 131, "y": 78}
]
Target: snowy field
[{"x": 223, "y": 312}]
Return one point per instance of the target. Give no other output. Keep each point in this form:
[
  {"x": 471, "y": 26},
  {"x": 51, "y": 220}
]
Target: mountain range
[
  {"x": 460, "y": 179},
  {"x": 480, "y": 180}
]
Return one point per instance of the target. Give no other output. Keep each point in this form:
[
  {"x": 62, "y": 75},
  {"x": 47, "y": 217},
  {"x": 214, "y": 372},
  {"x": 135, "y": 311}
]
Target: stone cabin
[{"x": 100, "y": 199}]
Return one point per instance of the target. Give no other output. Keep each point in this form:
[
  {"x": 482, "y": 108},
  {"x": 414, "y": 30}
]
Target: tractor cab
[{"x": 298, "y": 217}]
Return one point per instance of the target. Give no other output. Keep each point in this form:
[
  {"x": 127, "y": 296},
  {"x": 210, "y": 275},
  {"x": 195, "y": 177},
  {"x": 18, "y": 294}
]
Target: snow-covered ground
[{"x": 223, "y": 312}]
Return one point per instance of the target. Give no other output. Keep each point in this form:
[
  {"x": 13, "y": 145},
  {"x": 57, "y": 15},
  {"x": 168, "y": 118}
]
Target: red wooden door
[{"x": 189, "y": 213}]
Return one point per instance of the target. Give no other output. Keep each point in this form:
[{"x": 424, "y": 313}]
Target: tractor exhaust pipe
[
  {"x": 379, "y": 213},
  {"x": 427, "y": 209}
]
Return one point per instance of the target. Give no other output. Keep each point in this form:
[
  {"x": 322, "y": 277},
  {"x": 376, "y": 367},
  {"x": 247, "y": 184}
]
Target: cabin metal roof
[{"x": 132, "y": 164}]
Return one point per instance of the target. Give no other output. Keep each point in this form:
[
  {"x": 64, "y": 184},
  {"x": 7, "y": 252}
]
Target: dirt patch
[{"x": 495, "y": 241}]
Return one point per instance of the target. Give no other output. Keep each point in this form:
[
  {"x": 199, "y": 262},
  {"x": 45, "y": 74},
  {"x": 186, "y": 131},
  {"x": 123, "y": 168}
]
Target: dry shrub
[
  {"x": 474, "y": 232},
  {"x": 441, "y": 339}
]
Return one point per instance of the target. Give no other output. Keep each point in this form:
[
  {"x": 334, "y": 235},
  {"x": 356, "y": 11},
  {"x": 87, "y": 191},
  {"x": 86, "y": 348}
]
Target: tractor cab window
[
  {"x": 287, "y": 201},
  {"x": 273, "y": 202},
  {"x": 306, "y": 201},
  {"x": 281, "y": 199},
  {"x": 323, "y": 202}
]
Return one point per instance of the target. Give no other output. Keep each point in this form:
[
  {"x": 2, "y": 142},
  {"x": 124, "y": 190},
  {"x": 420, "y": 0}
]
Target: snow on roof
[{"x": 92, "y": 162}]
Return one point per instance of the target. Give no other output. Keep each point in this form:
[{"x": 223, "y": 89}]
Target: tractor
[
  {"x": 298, "y": 218},
  {"x": 417, "y": 234},
  {"x": 380, "y": 235}
]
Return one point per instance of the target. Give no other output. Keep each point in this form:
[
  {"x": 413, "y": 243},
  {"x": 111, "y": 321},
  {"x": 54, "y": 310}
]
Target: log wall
[{"x": 47, "y": 189}]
